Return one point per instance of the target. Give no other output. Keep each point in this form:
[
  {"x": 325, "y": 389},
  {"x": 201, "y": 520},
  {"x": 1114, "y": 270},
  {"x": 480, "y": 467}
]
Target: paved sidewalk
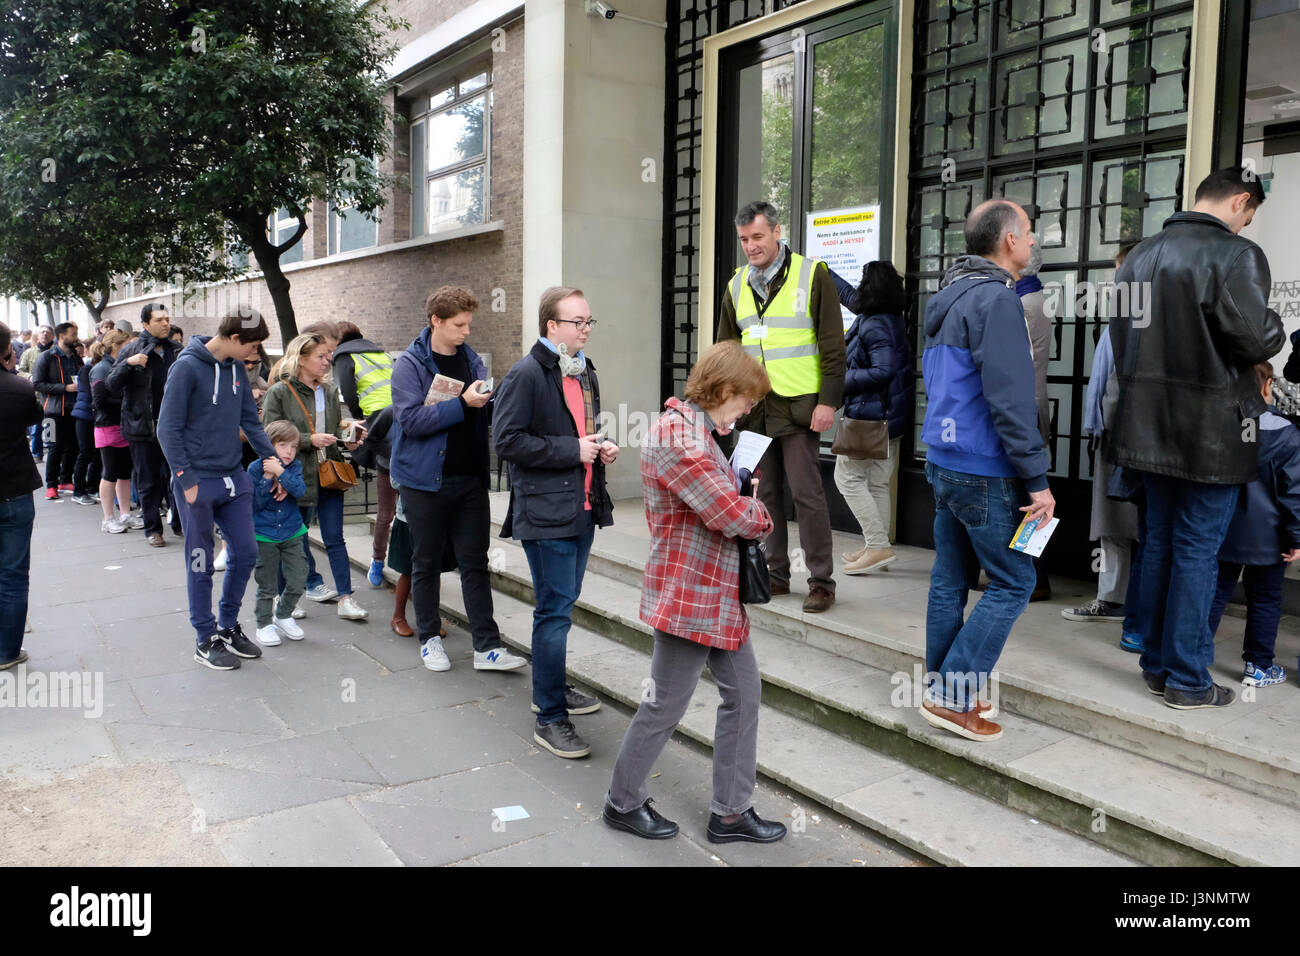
[{"x": 341, "y": 749}]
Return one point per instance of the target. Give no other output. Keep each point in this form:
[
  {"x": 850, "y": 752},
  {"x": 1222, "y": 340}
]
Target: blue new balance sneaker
[
  {"x": 376, "y": 575},
  {"x": 1259, "y": 677}
]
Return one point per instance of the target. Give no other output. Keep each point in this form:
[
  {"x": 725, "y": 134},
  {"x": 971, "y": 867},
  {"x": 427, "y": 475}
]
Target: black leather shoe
[
  {"x": 643, "y": 821},
  {"x": 750, "y": 828},
  {"x": 1155, "y": 684},
  {"x": 1216, "y": 695}
]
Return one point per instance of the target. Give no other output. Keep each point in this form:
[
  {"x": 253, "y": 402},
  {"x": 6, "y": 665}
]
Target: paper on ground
[
  {"x": 1031, "y": 538},
  {"x": 508, "y": 814},
  {"x": 749, "y": 449}
]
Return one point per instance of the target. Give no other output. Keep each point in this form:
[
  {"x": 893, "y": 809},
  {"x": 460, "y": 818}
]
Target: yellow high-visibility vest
[
  {"x": 374, "y": 382},
  {"x": 784, "y": 337}
]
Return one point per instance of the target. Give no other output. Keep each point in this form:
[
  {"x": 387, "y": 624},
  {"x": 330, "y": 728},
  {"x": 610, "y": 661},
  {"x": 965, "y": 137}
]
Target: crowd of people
[{"x": 1197, "y": 481}]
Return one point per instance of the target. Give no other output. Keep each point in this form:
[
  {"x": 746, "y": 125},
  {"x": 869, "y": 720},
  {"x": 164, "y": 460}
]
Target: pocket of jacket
[{"x": 550, "y": 502}]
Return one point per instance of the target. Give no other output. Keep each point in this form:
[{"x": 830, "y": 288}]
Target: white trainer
[
  {"x": 321, "y": 593},
  {"x": 352, "y": 611},
  {"x": 219, "y": 563},
  {"x": 434, "y": 655},
  {"x": 268, "y": 636},
  {"x": 112, "y": 526},
  {"x": 135, "y": 522},
  {"x": 299, "y": 613},
  {"x": 290, "y": 627},
  {"x": 497, "y": 659}
]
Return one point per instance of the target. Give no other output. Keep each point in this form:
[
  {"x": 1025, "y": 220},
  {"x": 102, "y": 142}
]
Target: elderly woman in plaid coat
[{"x": 691, "y": 598}]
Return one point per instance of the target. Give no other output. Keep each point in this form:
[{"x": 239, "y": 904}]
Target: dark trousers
[
  {"x": 85, "y": 474},
  {"x": 1185, "y": 525},
  {"x": 793, "y": 460},
  {"x": 228, "y": 504},
  {"x": 1263, "y": 607},
  {"x": 278, "y": 561},
  {"x": 459, "y": 514},
  {"x": 151, "y": 482},
  {"x": 60, "y": 436},
  {"x": 17, "y": 516}
]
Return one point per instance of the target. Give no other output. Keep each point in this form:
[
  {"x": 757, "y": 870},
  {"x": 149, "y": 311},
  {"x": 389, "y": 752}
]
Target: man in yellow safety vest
[{"x": 784, "y": 310}]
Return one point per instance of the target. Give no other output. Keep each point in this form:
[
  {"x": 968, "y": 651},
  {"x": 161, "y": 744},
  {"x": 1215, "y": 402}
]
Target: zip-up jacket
[
  {"x": 1267, "y": 520},
  {"x": 54, "y": 370},
  {"x": 277, "y": 520},
  {"x": 107, "y": 408},
  {"x": 140, "y": 387}
]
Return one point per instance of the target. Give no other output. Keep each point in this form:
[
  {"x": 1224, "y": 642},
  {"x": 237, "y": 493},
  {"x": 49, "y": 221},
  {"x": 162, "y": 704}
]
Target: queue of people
[{"x": 1190, "y": 495}]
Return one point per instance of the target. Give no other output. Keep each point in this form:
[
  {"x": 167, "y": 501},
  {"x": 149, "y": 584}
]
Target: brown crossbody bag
[{"x": 331, "y": 474}]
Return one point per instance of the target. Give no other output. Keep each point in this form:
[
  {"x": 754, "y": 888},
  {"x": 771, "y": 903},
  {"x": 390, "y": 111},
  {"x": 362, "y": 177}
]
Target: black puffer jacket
[
  {"x": 53, "y": 372},
  {"x": 1188, "y": 396},
  {"x": 107, "y": 408},
  {"x": 879, "y": 384},
  {"x": 140, "y": 387}
]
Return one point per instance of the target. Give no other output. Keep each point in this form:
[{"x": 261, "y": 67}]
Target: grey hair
[{"x": 750, "y": 211}]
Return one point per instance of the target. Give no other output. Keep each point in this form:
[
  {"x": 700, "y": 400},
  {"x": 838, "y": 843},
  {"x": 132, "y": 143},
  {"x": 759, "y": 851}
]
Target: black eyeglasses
[{"x": 580, "y": 323}]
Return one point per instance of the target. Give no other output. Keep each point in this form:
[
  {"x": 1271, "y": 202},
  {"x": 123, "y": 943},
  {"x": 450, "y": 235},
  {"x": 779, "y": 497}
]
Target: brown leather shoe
[
  {"x": 780, "y": 587},
  {"x": 819, "y": 599},
  {"x": 401, "y": 628},
  {"x": 157, "y": 541},
  {"x": 970, "y": 725}
]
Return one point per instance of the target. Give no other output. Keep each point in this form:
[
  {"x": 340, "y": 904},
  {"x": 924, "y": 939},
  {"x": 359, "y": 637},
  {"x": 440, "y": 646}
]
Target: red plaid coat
[{"x": 695, "y": 513}]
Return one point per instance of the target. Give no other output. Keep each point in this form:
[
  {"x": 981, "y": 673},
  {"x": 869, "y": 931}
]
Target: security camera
[{"x": 604, "y": 9}]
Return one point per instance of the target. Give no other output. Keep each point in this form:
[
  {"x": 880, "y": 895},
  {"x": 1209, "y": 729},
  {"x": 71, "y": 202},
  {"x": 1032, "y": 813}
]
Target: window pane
[
  {"x": 766, "y": 148},
  {"x": 456, "y": 200},
  {"x": 442, "y": 97},
  {"x": 417, "y": 176},
  {"x": 473, "y": 83},
  {"x": 350, "y": 230},
  {"x": 456, "y": 135},
  {"x": 846, "y": 120}
]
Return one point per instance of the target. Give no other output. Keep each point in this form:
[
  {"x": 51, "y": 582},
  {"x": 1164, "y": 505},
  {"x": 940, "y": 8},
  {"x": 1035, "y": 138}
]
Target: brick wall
[{"x": 384, "y": 293}]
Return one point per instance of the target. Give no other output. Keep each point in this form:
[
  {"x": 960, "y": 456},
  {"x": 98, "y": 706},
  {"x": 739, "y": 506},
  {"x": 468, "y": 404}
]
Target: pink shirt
[{"x": 578, "y": 409}]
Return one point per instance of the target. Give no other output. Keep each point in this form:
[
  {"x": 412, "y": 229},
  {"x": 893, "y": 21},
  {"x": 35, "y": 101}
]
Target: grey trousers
[
  {"x": 674, "y": 673},
  {"x": 272, "y": 557}
]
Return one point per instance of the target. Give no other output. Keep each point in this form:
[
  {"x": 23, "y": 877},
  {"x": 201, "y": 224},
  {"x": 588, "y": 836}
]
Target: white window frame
[
  {"x": 333, "y": 229},
  {"x": 420, "y": 114}
]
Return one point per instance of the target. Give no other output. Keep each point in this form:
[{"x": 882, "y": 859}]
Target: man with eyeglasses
[{"x": 544, "y": 426}]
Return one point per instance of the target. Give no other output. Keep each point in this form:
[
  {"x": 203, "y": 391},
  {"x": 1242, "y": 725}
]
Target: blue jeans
[
  {"x": 329, "y": 509},
  {"x": 228, "y": 503},
  {"x": 38, "y": 440},
  {"x": 16, "y": 518},
  {"x": 1263, "y": 607},
  {"x": 1185, "y": 525},
  {"x": 975, "y": 518},
  {"x": 557, "y": 566}
]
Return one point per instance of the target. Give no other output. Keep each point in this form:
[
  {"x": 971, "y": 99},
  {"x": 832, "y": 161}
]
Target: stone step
[
  {"x": 1142, "y": 807},
  {"x": 941, "y": 821},
  {"x": 1066, "y": 675}
]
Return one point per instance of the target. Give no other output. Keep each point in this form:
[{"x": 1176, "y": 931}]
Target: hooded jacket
[
  {"x": 1197, "y": 322},
  {"x": 981, "y": 417},
  {"x": 54, "y": 370},
  {"x": 203, "y": 409},
  {"x": 1267, "y": 520},
  {"x": 83, "y": 408},
  {"x": 419, "y": 432},
  {"x": 140, "y": 387}
]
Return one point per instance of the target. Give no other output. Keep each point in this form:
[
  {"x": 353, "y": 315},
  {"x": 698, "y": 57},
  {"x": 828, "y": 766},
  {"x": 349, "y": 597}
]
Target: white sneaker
[
  {"x": 290, "y": 627},
  {"x": 350, "y": 610},
  {"x": 135, "y": 522},
  {"x": 268, "y": 636},
  {"x": 219, "y": 564},
  {"x": 112, "y": 526},
  {"x": 321, "y": 592},
  {"x": 434, "y": 655},
  {"x": 497, "y": 659},
  {"x": 298, "y": 614}
]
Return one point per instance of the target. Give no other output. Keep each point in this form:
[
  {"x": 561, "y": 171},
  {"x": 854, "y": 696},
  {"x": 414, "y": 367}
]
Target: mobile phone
[
  {"x": 485, "y": 387},
  {"x": 350, "y": 433}
]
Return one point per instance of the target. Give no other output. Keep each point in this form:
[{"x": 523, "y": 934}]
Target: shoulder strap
[{"x": 311, "y": 421}]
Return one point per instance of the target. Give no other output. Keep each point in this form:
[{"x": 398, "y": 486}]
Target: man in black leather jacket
[{"x": 1196, "y": 322}]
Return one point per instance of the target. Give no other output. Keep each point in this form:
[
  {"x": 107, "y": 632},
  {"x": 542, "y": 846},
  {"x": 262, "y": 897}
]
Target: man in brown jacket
[{"x": 784, "y": 310}]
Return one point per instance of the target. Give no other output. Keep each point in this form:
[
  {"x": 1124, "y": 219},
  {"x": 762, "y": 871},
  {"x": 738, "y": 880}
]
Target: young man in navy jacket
[
  {"x": 985, "y": 462},
  {"x": 206, "y": 404},
  {"x": 440, "y": 464}
]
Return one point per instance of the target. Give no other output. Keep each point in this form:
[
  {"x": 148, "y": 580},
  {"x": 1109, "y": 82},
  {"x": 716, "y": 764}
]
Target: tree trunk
[
  {"x": 49, "y": 314},
  {"x": 96, "y": 309},
  {"x": 252, "y": 229}
]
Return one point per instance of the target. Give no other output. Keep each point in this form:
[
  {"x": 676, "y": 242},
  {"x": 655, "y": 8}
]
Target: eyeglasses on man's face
[{"x": 580, "y": 323}]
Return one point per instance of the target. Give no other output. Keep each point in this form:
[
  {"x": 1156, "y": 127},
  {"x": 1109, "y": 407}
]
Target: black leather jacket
[
  {"x": 140, "y": 387},
  {"x": 1198, "y": 320}
]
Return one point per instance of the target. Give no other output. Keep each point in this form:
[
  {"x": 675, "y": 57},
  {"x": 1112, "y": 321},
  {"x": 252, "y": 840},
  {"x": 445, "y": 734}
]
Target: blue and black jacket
[
  {"x": 981, "y": 417},
  {"x": 1267, "y": 520}
]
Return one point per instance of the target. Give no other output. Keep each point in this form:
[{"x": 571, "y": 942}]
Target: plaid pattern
[
  {"x": 695, "y": 513},
  {"x": 588, "y": 402}
]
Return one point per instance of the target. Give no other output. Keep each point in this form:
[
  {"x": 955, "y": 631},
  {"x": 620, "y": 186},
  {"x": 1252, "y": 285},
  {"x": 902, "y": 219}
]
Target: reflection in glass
[
  {"x": 456, "y": 200},
  {"x": 846, "y": 120},
  {"x": 765, "y": 151},
  {"x": 456, "y": 135}
]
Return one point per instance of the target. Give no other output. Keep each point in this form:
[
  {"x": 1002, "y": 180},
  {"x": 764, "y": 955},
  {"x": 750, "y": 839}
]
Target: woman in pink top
[{"x": 114, "y": 452}]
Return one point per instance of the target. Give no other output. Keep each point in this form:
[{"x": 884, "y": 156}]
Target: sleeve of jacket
[
  {"x": 345, "y": 373},
  {"x": 869, "y": 368},
  {"x": 23, "y": 407},
  {"x": 416, "y": 418},
  {"x": 848, "y": 294},
  {"x": 172, "y": 417},
  {"x": 1252, "y": 331},
  {"x": 262, "y": 486},
  {"x": 999, "y": 345},
  {"x": 1103, "y": 361},
  {"x": 248, "y": 418},
  {"x": 690, "y": 472},
  {"x": 512, "y": 418},
  {"x": 117, "y": 375},
  {"x": 725, "y": 328},
  {"x": 825, "y": 306},
  {"x": 292, "y": 480}
]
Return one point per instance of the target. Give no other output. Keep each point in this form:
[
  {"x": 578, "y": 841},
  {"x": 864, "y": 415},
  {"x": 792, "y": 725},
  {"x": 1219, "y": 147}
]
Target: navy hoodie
[
  {"x": 981, "y": 417},
  {"x": 204, "y": 406},
  {"x": 1267, "y": 520}
]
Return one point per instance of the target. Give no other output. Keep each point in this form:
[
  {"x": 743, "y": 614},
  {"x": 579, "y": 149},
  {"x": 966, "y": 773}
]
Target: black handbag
[{"x": 755, "y": 584}]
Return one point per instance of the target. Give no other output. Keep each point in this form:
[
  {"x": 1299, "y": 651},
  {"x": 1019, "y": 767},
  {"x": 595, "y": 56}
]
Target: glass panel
[
  {"x": 418, "y": 167},
  {"x": 1028, "y": 21},
  {"x": 846, "y": 145},
  {"x": 1118, "y": 9},
  {"x": 442, "y": 97},
  {"x": 766, "y": 144},
  {"x": 473, "y": 83},
  {"x": 350, "y": 230},
  {"x": 457, "y": 134},
  {"x": 1141, "y": 73},
  {"x": 456, "y": 200}
]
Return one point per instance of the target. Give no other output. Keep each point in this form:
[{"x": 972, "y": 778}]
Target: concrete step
[
  {"x": 1133, "y": 804},
  {"x": 1066, "y": 675},
  {"x": 929, "y": 815}
]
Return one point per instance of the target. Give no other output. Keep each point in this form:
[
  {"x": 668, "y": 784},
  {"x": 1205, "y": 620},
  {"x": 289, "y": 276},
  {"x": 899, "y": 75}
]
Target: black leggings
[{"x": 85, "y": 474}]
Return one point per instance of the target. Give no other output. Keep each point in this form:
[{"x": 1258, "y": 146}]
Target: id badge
[{"x": 758, "y": 332}]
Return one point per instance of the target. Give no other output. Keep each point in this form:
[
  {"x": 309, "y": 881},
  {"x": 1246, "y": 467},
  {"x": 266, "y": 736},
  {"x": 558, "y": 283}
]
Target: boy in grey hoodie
[{"x": 206, "y": 403}]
